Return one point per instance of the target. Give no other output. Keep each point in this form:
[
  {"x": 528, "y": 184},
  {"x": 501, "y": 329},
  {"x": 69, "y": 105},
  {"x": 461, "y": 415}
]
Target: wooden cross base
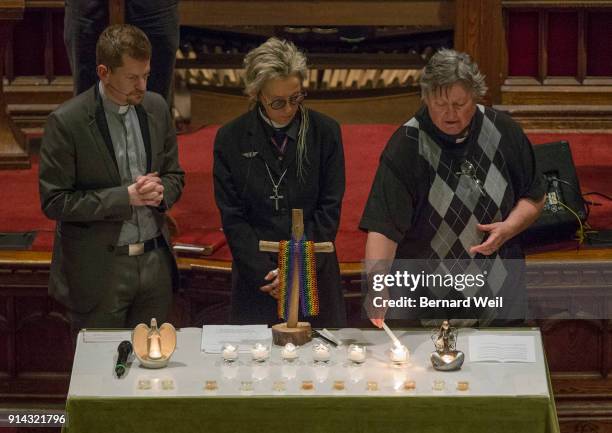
[{"x": 299, "y": 335}]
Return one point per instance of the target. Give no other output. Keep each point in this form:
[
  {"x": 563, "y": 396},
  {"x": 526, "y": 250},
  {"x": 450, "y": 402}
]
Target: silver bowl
[{"x": 447, "y": 361}]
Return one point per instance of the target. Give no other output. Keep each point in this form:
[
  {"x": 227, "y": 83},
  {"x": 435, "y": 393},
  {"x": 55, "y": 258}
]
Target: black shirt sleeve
[
  {"x": 390, "y": 206},
  {"x": 531, "y": 182}
]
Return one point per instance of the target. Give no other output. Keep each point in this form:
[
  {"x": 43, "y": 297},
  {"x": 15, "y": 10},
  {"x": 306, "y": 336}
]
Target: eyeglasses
[
  {"x": 468, "y": 169},
  {"x": 280, "y": 103}
]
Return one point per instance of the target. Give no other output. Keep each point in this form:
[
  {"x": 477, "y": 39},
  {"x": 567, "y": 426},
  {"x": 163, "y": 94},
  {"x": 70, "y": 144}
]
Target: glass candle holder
[
  {"x": 357, "y": 353},
  {"x": 229, "y": 352},
  {"x": 260, "y": 352},
  {"x": 289, "y": 353},
  {"x": 398, "y": 354},
  {"x": 321, "y": 353}
]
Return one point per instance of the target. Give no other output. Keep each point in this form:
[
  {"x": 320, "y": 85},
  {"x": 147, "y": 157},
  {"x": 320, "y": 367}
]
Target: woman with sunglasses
[
  {"x": 457, "y": 182},
  {"x": 276, "y": 157}
]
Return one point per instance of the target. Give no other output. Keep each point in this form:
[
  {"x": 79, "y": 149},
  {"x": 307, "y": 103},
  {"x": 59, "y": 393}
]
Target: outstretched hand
[{"x": 498, "y": 235}]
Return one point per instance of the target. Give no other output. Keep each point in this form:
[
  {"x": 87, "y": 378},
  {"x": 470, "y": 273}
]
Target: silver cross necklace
[{"x": 275, "y": 185}]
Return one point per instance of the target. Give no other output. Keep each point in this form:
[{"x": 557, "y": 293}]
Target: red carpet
[{"x": 198, "y": 217}]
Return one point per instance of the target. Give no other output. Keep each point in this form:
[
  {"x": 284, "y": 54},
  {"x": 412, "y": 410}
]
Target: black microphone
[{"x": 123, "y": 351}]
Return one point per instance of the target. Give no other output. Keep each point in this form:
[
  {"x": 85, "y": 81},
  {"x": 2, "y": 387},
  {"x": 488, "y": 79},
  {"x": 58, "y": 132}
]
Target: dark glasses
[{"x": 280, "y": 103}]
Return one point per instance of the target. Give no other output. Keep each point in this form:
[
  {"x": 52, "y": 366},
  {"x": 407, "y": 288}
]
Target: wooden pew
[{"x": 13, "y": 153}]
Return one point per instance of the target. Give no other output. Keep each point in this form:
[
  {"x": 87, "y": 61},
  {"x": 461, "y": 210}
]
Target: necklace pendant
[
  {"x": 275, "y": 185},
  {"x": 276, "y": 197}
]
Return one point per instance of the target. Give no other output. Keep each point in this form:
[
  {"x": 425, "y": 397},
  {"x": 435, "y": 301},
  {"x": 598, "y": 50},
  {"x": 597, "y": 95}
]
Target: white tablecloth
[{"x": 189, "y": 369}]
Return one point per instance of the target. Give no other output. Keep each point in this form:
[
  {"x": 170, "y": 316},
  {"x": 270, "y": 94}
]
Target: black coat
[{"x": 242, "y": 192}]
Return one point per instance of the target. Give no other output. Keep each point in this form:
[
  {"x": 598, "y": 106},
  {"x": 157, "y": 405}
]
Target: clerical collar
[
  {"x": 291, "y": 128},
  {"x": 445, "y": 139},
  {"x": 109, "y": 105}
]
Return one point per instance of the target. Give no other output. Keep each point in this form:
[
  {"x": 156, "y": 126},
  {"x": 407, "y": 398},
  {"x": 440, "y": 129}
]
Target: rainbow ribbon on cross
[{"x": 303, "y": 252}]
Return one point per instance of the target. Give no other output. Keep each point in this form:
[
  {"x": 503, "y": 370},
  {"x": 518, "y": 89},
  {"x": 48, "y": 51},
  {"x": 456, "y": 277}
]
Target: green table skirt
[{"x": 312, "y": 415}]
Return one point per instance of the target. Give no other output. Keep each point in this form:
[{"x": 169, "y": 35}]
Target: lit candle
[
  {"x": 410, "y": 385},
  {"x": 230, "y": 352},
  {"x": 154, "y": 341},
  {"x": 357, "y": 353},
  {"x": 289, "y": 352},
  {"x": 448, "y": 358},
  {"x": 260, "y": 352},
  {"x": 154, "y": 349},
  {"x": 399, "y": 353},
  {"x": 321, "y": 352}
]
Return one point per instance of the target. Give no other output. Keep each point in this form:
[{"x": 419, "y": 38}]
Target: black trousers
[{"x": 158, "y": 19}]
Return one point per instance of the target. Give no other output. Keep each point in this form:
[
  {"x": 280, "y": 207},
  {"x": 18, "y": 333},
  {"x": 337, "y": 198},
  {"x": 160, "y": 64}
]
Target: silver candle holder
[{"x": 446, "y": 357}]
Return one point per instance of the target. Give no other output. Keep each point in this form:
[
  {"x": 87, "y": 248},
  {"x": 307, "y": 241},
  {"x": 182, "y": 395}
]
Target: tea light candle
[
  {"x": 278, "y": 386},
  {"x": 144, "y": 384},
  {"x": 463, "y": 385},
  {"x": 357, "y": 353},
  {"x": 321, "y": 352},
  {"x": 438, "y": 385},
  {"x": 399, "y": 353},
  {"x": 410, "y": 385},
  {"x": 260, "y": 352},
  {"x": 289, "y": 352},
  {"x": 307, "y": 385},
  {"x": 210, "y": 385},
  {"x": 230, "y": 352}
]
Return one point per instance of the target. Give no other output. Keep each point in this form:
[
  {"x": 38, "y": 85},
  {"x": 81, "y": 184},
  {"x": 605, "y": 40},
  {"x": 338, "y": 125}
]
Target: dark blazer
[
  {"x": 80, "y": 188},
  {"x": 242, "y": 192}
]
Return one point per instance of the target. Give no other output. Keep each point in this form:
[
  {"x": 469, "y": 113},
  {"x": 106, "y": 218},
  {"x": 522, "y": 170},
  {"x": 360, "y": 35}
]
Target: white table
[{"x": 93, "y": 381}]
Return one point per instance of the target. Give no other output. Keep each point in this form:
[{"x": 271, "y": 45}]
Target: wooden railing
[{"x": 558, "y": 63}]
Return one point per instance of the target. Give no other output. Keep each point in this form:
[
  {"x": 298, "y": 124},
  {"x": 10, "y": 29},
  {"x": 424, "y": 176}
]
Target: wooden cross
[{"x": 293, "y": 331}]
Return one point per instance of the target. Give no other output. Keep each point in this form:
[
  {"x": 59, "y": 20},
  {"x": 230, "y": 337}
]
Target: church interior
[{"x": 548, "y": 64}]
